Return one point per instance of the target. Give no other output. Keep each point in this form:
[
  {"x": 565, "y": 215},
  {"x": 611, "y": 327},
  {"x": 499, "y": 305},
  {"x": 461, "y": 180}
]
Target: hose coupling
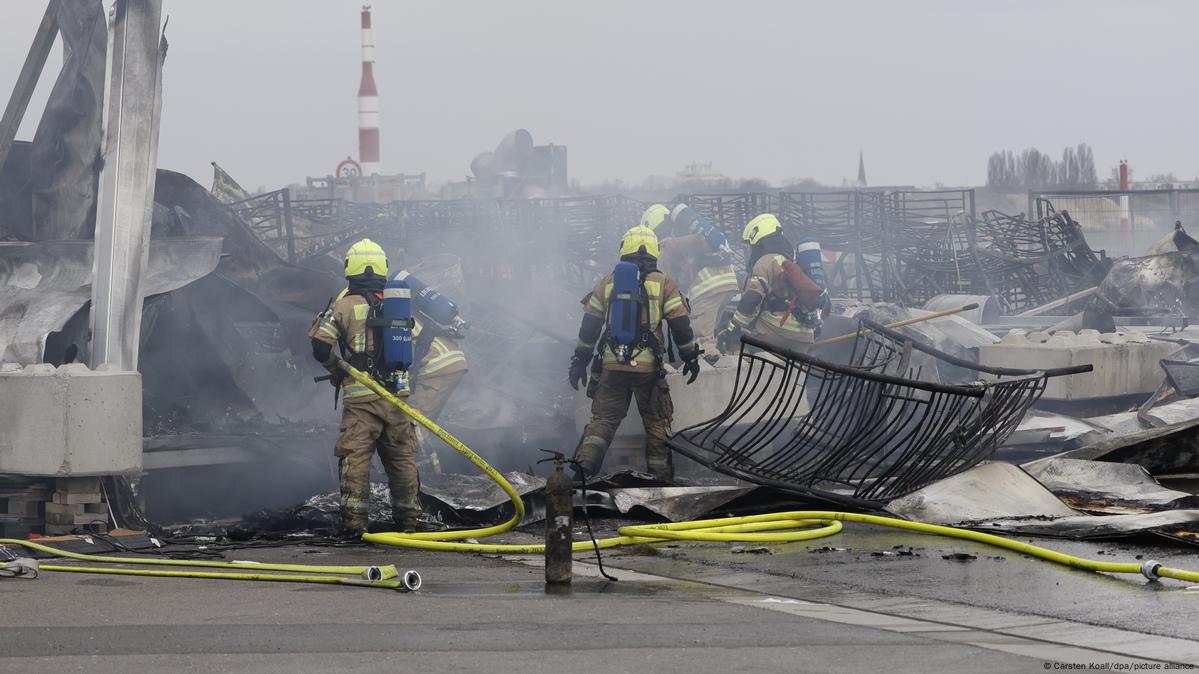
[
  {"x": 1150, "y": 568},
  {"x": 411, "y": 580},
  {"x": 372, "y": 573}
]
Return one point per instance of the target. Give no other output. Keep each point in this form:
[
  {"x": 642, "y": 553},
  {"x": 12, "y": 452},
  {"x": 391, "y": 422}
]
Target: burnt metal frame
[
  {"x": 895, "y": 246},
  {"x": 872, "y": 428}
]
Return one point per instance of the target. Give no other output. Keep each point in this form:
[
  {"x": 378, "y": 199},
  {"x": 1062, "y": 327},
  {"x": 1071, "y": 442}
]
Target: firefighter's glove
[
  {"x": 726, "y": 338},
  {"x": 459, "y": 327},
  {"x": 579, "y": 363},
  {"x": 691, "y": 367},
  {"x": 336, "y": 377}
]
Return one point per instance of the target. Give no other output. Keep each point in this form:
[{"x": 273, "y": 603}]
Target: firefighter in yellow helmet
[
  {"x": 697, "y": 255},
  {"x": 367, "y": 421},
  {"x": 622, "y": 317},
  {"x": 780, "y": 303}
]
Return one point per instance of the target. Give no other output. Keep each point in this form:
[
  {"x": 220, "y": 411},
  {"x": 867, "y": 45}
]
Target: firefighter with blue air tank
[
  {"x": 371, "y": 324},
  {"x": 697, "y": 255},
  {"x": 622, "y": 319}
]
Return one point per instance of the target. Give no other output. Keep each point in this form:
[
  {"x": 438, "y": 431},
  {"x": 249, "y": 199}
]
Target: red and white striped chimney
[{"x": 368, "y": 102}]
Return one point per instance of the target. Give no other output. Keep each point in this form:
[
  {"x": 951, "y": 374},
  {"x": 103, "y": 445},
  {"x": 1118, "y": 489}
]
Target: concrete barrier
[
  {"x": 69, "y": 421},
  {"x": 1126, "y": 363}
]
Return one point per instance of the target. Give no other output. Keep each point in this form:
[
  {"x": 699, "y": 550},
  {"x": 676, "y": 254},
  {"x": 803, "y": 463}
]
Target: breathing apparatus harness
[
  {"x": 389, "y": 324},
  {"x": 625, "y": 333},
  {"x": 804, "y": 293}
]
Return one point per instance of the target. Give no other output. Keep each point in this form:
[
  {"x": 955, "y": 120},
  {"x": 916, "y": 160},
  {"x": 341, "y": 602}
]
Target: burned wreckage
[{"x": 227, "y": 378}]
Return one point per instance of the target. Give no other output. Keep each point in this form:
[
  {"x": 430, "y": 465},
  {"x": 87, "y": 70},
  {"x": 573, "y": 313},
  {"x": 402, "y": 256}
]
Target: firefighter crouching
[
  {"x": 623, "y": 316},
  {"x": 367, "y": 421},
  {"x": 781, "y": 303},
  {"x": 697, "y": 255}
]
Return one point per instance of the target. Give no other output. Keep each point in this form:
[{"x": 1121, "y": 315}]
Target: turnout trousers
[
  {"x": 705, "y": 313},
  {"x": 608, "y": 409},
  {"x": 365, "y": 426},
  {"x": 430, "y": 395}
]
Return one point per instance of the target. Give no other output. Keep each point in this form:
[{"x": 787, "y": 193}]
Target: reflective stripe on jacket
[
  {"x": 712, "y": 280},
  {"x": 443, "y": 357},
  {"x": 345, "y": 326}
]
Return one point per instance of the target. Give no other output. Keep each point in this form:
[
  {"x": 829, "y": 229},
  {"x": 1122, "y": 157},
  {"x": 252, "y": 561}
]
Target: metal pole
[
  {"x": 125, "y": 201},
  {"x": 14, "y": 112},
  {"x": 287, "y": 225}
]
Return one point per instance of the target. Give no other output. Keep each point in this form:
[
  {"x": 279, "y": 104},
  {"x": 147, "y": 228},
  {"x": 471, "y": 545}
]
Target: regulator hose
[{"x": 780, "y": 527}]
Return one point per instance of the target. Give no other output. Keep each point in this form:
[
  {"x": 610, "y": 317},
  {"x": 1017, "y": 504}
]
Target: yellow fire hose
[
  {"x": 368, "y": 576},
  {"x": 787, "y": 527}
]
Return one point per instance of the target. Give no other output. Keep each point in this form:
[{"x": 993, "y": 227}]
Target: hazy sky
[{"x": 774, "y": 90}]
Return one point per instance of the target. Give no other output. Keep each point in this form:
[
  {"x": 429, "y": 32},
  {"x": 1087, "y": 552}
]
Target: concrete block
[
  {"x": 69, "y": 421},
  {"x": 1015, "y": 337},
  {"x": 76, "y": 519},
  {"x": 23, "y": 507},
  {"x": 1063, "y": 340},
  {"x": 77, "y": 490},
  {"x": 1124, "y": 364},
  {"x": 65, "y": 508},
  {"x": 96, "y": 508},
  {"x": 76, "y": 497}
]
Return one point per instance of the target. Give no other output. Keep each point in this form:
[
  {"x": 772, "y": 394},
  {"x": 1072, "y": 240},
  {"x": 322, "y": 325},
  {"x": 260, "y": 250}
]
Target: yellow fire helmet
[
  {"x": 760, "y": 227},
  {"x": 639, "y": 239},
  {"x": 366, "y": 256},
  {"x": 654, "y": 215}
]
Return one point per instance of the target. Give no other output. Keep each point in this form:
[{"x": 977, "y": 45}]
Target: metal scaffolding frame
[{"x": 902, "y": 246}]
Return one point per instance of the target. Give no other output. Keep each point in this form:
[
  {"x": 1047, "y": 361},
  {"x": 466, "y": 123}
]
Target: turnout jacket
[
  {"x": 763, "y": 307},
  {"x": 665, "y": 302}
]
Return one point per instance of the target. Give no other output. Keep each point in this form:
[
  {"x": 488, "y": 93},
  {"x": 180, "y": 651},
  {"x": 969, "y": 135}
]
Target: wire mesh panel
[
  {"x": 865, "y": 432},
  {"x": 1124, "y": 223}
]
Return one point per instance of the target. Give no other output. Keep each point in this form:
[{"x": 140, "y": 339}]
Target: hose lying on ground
[
  {"x": 783, "y": 527},
  {"x": 386, "y": 576}
]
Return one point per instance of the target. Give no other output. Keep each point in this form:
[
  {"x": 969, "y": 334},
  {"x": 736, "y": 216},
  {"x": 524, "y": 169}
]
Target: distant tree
[
  {"x": 1033, "y": 169},
  {"x": 1068, "y": 169},
  {"x": 1086, "y": 167},
  {"x": 997, "y": 175}
]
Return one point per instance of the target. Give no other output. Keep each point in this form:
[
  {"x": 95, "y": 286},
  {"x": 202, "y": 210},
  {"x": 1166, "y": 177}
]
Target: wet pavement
[
  {"x": 700, "y": 608},
  {"x": 873, "y": 560}
]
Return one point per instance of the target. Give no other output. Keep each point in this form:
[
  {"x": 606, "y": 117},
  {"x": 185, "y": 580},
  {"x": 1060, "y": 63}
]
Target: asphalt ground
[{"x": 692, "y": 608}]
